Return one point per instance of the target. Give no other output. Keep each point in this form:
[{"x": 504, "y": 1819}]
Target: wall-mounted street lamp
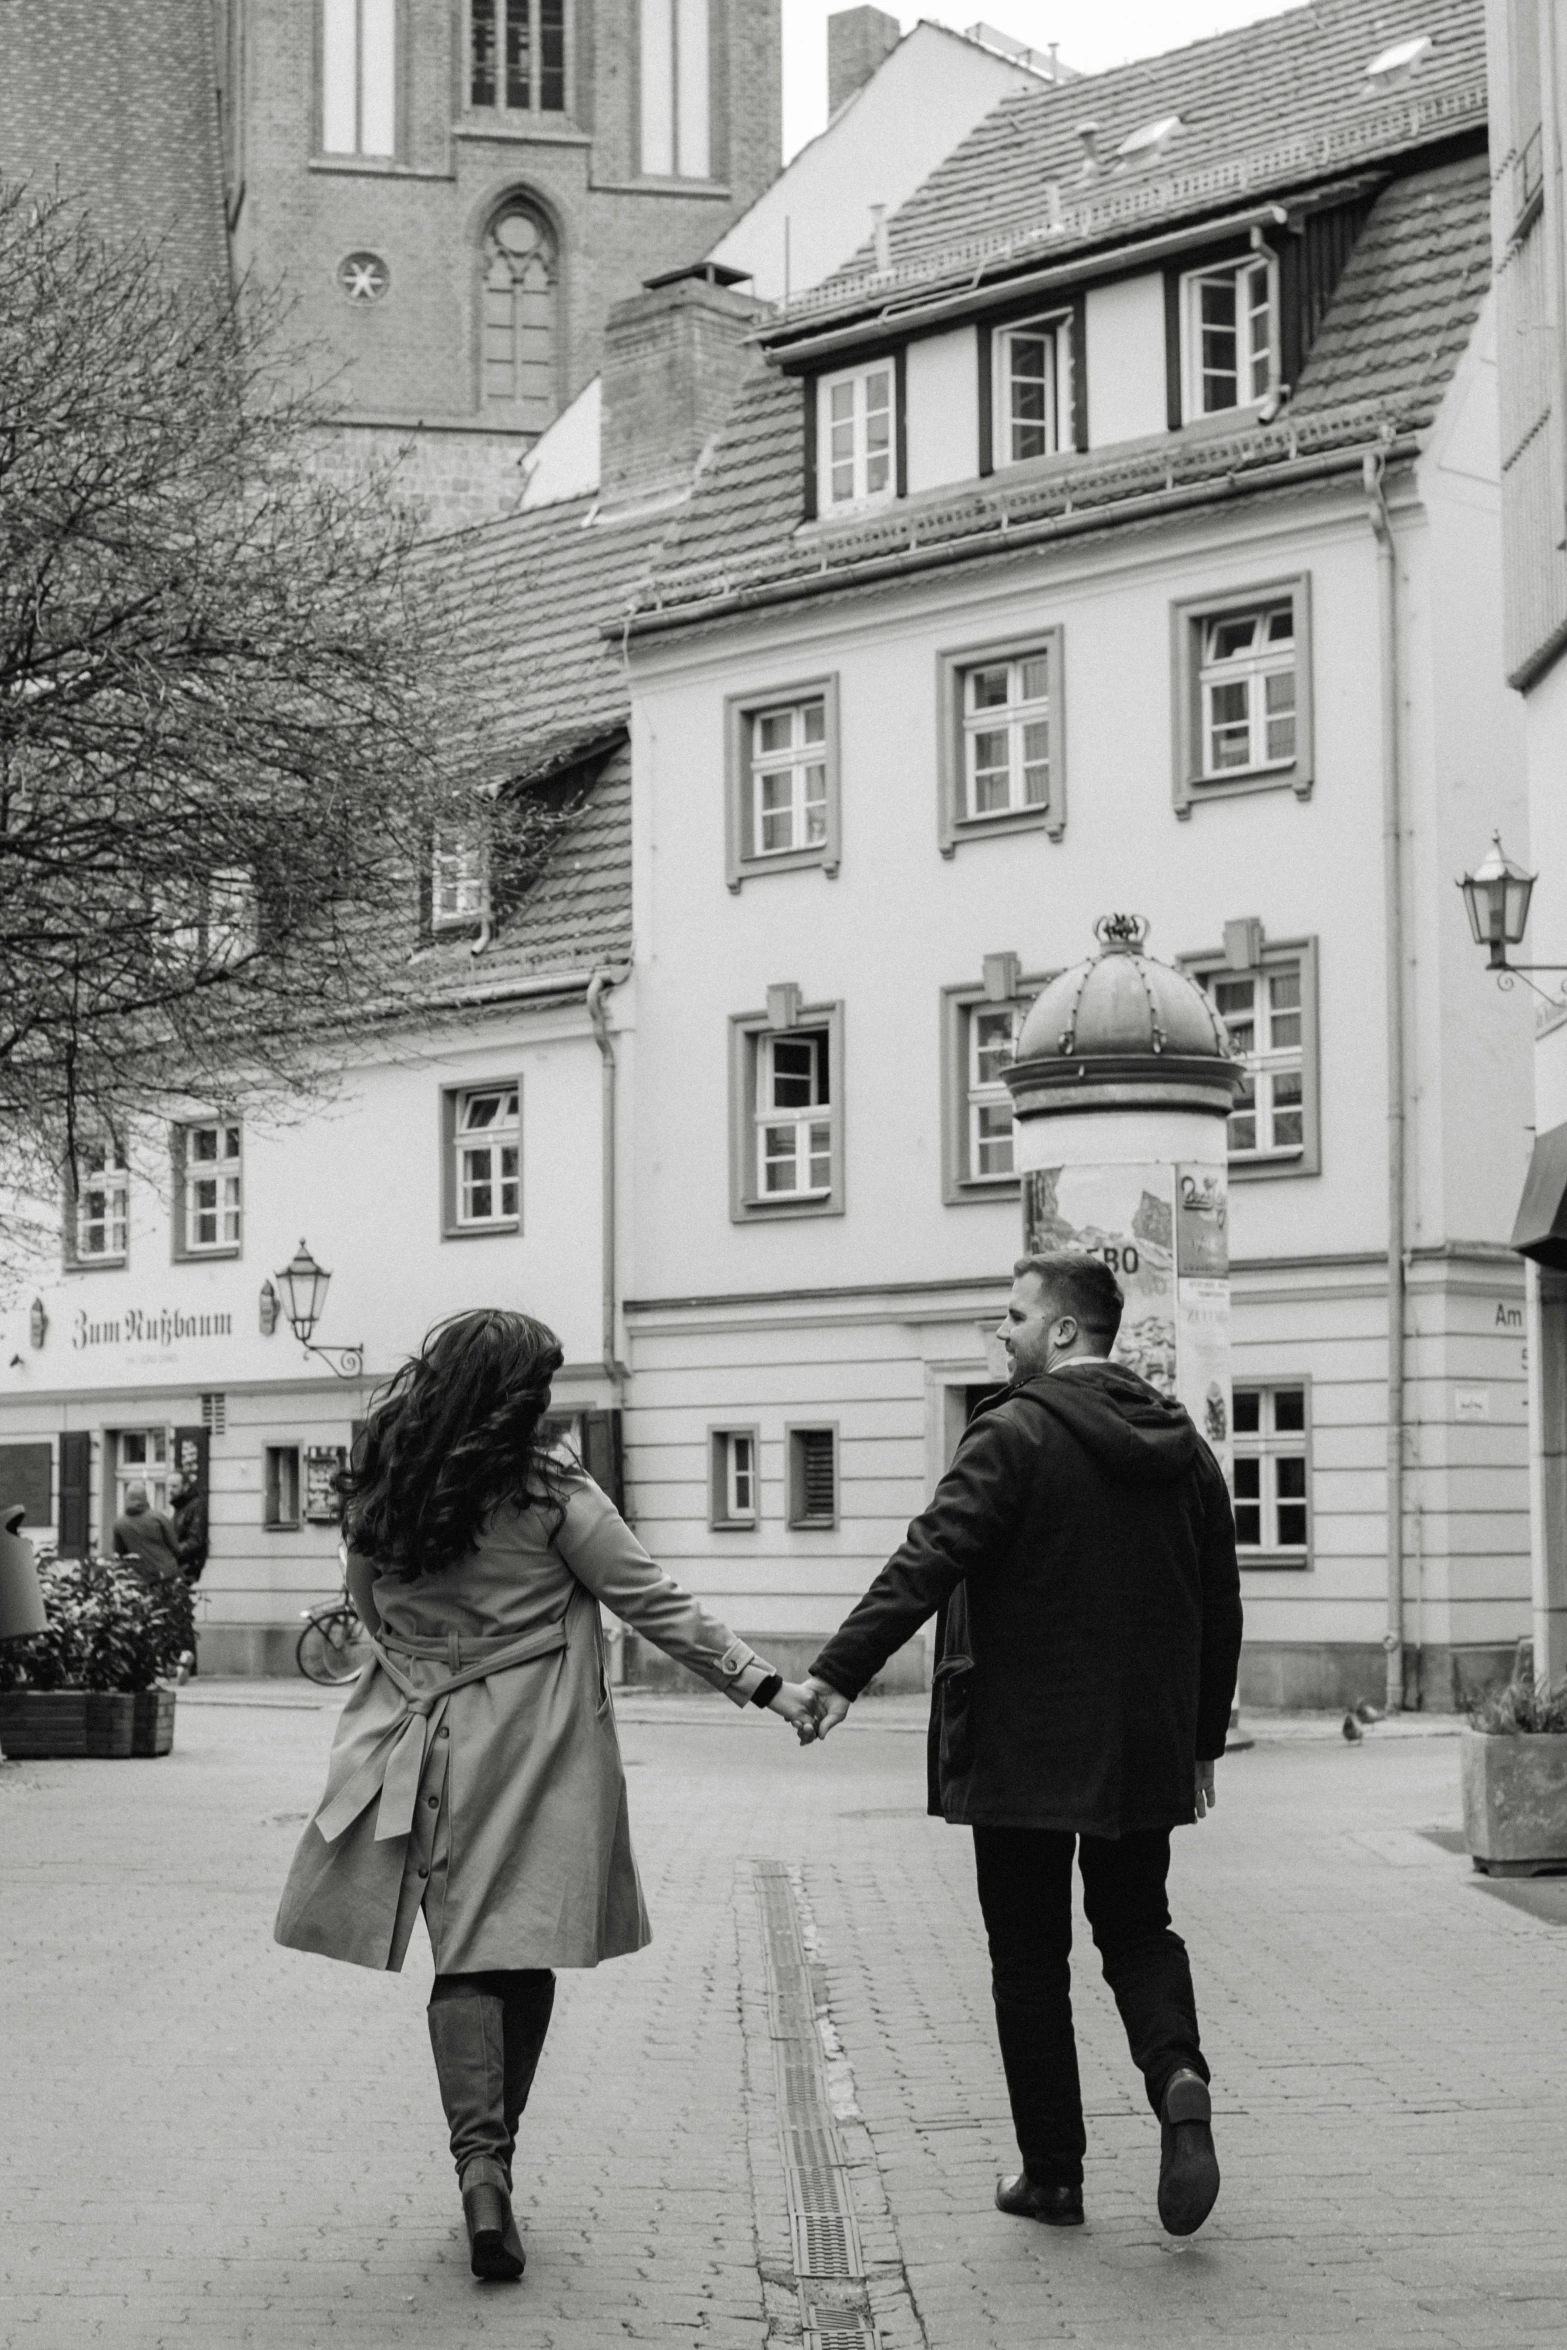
[
  {"x": 1496, "y": 899},
  {"x": 302, "y": 1287}
]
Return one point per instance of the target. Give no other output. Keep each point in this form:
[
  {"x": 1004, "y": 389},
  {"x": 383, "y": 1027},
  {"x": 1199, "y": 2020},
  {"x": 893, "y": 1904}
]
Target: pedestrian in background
[
  {"x": 190, "y": 1528},
  {"x": 476, "y": 1773},
  {"x": 145, "y": 1536},
  {"x": 1081, "y": 1554}
]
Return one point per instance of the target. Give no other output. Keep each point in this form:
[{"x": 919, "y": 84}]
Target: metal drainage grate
[
  {"x": 843, "y": 2329},
  {"x": 826, "y": 2244}
]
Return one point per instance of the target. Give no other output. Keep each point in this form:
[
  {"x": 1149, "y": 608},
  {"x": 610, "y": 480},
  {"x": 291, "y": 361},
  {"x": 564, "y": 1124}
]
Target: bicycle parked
[{"x": 333, "y": 1646}]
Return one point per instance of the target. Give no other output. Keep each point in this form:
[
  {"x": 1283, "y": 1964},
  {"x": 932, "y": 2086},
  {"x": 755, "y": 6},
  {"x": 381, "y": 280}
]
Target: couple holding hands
[{"x": 1079, "y": 1557}]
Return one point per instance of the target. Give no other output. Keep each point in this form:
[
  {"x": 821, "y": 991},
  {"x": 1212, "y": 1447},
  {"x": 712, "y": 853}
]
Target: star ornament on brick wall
[{"x": 363, "y": 277}]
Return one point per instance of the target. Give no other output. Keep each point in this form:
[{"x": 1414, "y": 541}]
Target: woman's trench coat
[{"x": 476, "y": 1772}]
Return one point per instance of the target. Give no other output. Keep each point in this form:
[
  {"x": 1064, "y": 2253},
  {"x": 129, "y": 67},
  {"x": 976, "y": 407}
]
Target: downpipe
[
  {"x": 598, "y": 987},
  {"x": 1397, "y": 1138}
]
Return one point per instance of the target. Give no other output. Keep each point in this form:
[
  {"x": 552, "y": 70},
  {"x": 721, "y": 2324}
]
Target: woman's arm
[
  {"x": 603, "y": 1553},
  {"x": 359, "y": 1574}
]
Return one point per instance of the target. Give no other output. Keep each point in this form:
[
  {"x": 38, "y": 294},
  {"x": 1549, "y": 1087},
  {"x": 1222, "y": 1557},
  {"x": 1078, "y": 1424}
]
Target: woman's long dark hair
[{"x": 454, "y": 1434}]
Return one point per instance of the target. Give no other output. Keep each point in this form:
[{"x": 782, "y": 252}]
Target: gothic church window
[
  {"x": 521, "y": 325},
  {"x": 517, "y": 55},
  {"x": 358, "y": 77},
  {"x": 674, "y": 79}
]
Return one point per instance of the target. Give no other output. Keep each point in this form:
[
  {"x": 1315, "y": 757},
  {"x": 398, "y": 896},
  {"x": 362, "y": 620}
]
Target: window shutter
[
  {"x": 75, "y": 1490},
  {"x": 814, "y": 1500},
  {"x": 602, "y": 1455},
  {"x": 27, "y": 1476}
]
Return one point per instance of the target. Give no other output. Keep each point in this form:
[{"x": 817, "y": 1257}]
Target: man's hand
[
  {"x": 796, "y": 1701},
  {"x": 1207, "y": 1795},
  {"x": 830, "y": 1707}
]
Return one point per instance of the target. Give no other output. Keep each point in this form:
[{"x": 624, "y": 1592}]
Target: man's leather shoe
[
  {"x": 1188, "y": 2165},
  {"x": 1058, "y": 2207},
  {"x": 494, "y": 2246}
]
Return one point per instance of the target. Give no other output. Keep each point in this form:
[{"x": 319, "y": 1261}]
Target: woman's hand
[{"x": 798, "y": 1707}]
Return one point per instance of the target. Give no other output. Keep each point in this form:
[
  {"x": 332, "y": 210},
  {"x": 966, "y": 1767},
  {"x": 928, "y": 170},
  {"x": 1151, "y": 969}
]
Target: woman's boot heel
[{"x": 494, "y": 2246}]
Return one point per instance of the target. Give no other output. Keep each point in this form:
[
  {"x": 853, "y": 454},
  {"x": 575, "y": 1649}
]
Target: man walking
[{"x": 1081, "y": 1554}]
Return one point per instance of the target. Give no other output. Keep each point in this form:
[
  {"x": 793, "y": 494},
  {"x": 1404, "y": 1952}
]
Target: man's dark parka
[{"x": 1081, "y": 1553}]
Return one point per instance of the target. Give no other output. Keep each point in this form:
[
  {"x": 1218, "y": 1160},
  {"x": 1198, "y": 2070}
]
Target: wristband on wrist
[{"x": 765, "y": 1691}]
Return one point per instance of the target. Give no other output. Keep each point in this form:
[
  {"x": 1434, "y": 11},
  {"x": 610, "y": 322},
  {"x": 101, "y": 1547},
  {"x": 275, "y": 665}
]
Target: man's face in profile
[{"x": 1032, "y": 1327}]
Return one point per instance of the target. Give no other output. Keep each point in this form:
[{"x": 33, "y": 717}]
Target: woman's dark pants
[
  {"x": 1025, "y": 1892},
  {"x": 487, "y": 2032}
]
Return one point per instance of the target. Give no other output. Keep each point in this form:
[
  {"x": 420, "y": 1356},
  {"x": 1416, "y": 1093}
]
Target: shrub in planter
[
  {"x": 1514, "y": 1771},
  {"x": 88, "y": 1681}
]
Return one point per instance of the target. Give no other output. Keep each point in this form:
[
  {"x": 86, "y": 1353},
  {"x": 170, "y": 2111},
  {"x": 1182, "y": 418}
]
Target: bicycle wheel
[{"x": 332, "y": 1647}]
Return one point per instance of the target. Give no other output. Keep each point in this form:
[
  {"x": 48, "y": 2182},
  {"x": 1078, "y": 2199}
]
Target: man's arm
[
  {"x": 970, "y": 1521},
  {"x": 1221, "y": 1618}
]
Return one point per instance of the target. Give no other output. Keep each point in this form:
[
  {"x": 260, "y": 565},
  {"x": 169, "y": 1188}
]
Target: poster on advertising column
[{"x": 1163, "y": 1231}]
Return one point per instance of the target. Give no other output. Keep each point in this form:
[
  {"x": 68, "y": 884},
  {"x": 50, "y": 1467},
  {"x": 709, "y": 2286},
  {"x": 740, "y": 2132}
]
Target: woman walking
[{"x": 476, "y": 1773}]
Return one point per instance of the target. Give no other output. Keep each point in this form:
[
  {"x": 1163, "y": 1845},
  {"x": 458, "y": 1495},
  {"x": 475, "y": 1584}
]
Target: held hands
[
  {"x": 810, "y": 1708},
  {"x": 1207, "y": 1794}
]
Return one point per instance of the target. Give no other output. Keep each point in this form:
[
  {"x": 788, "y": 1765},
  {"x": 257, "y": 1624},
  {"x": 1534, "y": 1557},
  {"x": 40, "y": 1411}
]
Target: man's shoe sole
[{"x": 1188, "y": 2167}]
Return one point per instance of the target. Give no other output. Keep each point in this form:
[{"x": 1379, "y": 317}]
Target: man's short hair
[{"x": 1079, "y": 1285}]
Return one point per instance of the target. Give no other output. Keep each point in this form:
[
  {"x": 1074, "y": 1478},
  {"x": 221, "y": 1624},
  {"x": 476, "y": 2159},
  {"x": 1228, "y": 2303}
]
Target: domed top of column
[{"x": 1122, "y": 1030}]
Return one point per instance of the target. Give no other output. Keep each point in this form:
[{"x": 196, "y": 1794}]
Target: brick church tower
[{"x": 455, "y": 192}]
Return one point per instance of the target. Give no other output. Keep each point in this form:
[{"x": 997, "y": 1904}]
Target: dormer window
[
  {"x": 457, "y": 880},
  {"x": 1229, "y": 332},
  {"x": 856, "y": 437},
  {"x": 1031, "y": 372}
]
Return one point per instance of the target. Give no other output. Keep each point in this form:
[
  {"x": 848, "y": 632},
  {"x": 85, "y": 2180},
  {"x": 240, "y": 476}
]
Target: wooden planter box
[
  {"x": 45, "y": 1724},
  {"x": 1515, "y": 1803}
]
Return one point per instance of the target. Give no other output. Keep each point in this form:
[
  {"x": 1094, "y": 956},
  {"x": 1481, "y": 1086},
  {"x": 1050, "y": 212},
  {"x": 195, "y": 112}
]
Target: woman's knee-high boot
[
  {"x": 528, "y": 1998},
  {"x": 468, "y": 2036}
]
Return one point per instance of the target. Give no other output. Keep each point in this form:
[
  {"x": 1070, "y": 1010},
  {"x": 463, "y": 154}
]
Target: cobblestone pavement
[{"x": 207, "y": 2141}]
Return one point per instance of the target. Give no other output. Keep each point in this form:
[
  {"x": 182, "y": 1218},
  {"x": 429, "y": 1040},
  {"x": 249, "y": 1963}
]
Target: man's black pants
[{"x": 1025, "y": 1892}]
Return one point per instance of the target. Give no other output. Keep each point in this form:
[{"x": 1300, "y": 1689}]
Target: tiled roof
[
  {"x": 544, "y": 685},
  {"x": 1391, "y": 338},
  {"x": 115, "y": 101},
  {"x": 1269, "y": 107}
]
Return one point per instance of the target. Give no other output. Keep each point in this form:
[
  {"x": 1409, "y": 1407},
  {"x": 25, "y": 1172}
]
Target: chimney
[
  {"x": 674, "y": 357},
  {"x": 857, "y": 41}
]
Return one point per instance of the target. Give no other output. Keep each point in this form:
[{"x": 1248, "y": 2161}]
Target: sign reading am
[{"x": 159, "y": 1328}]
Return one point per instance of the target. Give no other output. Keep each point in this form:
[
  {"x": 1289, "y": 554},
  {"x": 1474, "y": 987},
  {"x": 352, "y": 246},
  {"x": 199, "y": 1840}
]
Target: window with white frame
[
  {"x": 487, "y": 1148},
  {"x": 992, "y": 1034},
  {"x": 1031, "y": 377},
  {"x": 734, "y": 1472},
  {"x": 788, "y": 779},
  {"x": 457, "y": 878},
  {"x": 359, "y": 77},
  {"x": 517, "y": 55},
  {"x": 1229, "y": 331},
  {"x": 1272, "y": 1473},
  {"x": 793, "y": 1115},
  {"x": 100, "y": 1205},
  {"x": 1247, "y": 685},
  {"x": 211, "y": 1178},
  {"x": 141, "y": 1457},
  {"x": 1264, "y": 1013},
  {"x": 856, "y": 437},
  {"x": 1006, "y": 736}
]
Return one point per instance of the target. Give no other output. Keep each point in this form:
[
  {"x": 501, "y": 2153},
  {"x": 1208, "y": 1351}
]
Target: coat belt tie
[{"x": 396, "y": 1765}]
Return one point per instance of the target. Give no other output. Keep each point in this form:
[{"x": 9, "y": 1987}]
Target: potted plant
[
  {"x": 1514, "y": 1769},
  {"x": 89, "y": 1683}
]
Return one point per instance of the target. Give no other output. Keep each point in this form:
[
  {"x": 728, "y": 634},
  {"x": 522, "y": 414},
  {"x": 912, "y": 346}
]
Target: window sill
[
  {"x": 498, "y": 1230},
  {"x": 972, "y": 828},
  {"x": 72, "y": 1264},
  {"x": 1260, "y": 1170},
  {"x": 786, "y": 861},
  {"x": 732, "y": 1525},
  {"x": 519, "y": 128},
  {"x": 281, "y": 1526},
  {"x": 760, "y": 1211},
  {"x": 206, "y": 1256},
  {"x": 812, "y": 1525},
  {"x": 969, "y": 1191},
  {"x": 1290, "y": 776},
  {"x": 377, "y": 167},
  {"x": 1273, "y": 1562}
]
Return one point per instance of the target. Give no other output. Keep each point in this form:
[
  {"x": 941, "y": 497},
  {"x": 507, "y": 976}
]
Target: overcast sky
[{"x": 1091, "y": 34}]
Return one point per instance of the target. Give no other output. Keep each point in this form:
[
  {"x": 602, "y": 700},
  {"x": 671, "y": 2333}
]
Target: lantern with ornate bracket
[
  {"x": 1496, "y": 898},
  {"x": 302, "y": 1286}
]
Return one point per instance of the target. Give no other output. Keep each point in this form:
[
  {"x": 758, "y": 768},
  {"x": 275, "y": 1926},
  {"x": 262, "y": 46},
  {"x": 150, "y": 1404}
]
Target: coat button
[
  {"x": 434, "y": 1802},
  {"x": 441, "y": 1732},
  {"x": 424, "y": 1872}
]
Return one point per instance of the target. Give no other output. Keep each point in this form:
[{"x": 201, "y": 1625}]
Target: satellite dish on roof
[
  {"x": 1151, "y": 141},
  {"x": 1391, "y": 68}
]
